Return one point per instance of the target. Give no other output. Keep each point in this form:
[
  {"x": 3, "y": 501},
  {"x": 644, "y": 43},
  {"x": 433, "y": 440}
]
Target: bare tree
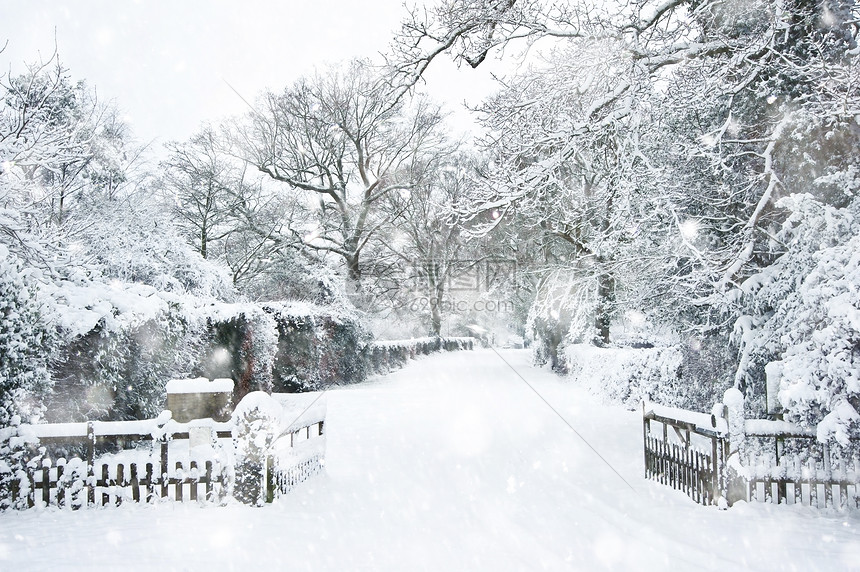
[
  {"x": 340, "y": 141},
  {"x": 223, "y": 206},
  {"x": 427, "y": 239}
]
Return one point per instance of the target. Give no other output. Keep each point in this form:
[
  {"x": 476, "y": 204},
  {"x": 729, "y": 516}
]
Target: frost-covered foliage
[
  {"x": 627, "y": 376},
  {"x": 563, "y": 313},
  {"x": 141, "y": 245},
  {"x": 803, "y": 323},
  {"x": 691, "y": 375},
  {"x": 317, "y": 346},
  {"x": 240, "y": 341},
  {"x": 654, "y": 144},
  {"x": 25, "y": 340},
  {"x": 255, "y": 421}
]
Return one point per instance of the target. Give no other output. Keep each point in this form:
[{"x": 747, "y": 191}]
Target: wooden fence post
[
  {"x": 164, "y": 479},
  {"x": 646, "y": 429},
  {"x": 270, "y": 479},
  {"x": 91, "y": 473}
]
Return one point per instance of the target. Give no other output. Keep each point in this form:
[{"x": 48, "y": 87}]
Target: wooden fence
[
  {"x": 786, "y": 465},
  {"x": 286, "y": 467},
  {"x": 112, "y": 485},
  {"x": 776, "y": 461},
  {"x": 690, "y": 458},
  {"x": 80, "y": 482}
]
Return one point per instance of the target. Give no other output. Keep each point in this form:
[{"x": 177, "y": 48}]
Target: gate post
[{"x": 735, "y": 483}]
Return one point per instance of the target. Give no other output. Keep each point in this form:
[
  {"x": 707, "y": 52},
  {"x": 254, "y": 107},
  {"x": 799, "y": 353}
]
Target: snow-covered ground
[{"x": 452, "y": 463}]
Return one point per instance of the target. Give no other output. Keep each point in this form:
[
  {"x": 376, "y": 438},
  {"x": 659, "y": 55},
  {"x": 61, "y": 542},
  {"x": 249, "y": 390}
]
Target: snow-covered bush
[
  {"x": 803, "y": 320},
  {"x": 317, "y": 347},
  {"x": 143, "y": 246},
  {"x": 18, "y": 452},
  {"x": 255, "y": 421},
  {"x": 24, "y": 343},
  {"x": 627, "y": 375},
  {"x": 240, "y": 343}
]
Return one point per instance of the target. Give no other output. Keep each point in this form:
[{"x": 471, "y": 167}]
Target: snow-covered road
[{"x": 452, "y": 463}]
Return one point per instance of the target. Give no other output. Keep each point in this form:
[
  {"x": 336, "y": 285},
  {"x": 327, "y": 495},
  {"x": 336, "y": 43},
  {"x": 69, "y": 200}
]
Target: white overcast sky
[{"x": 165, "y": 62}]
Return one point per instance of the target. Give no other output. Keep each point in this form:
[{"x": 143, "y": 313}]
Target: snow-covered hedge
[
  {"x": 122, "y": 342},
  {"x": 317, "y": 346},
  {"x": 24, "y": 342},
  {"x": 627, "y": 375},
  {"x": 384, "y": 355}
]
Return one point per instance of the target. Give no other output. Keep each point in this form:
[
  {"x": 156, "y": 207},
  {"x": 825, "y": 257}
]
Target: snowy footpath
[{"x": 452, "y": 463}]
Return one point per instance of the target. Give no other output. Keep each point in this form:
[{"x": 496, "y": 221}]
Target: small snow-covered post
[
  {"x": 162, "y": 436},
  {"x": 734, "y": 471},
  {"x": 91, "y": 455},
  {"x": 254, "y": 422}
]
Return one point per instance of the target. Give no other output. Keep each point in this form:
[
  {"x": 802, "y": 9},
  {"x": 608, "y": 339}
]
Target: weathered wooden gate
[{"x": 687, "y": 452}]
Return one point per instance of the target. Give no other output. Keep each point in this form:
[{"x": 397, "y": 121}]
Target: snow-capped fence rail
[
  {"x": 691, "y": 457},
  {"x": 275, "y": 457},
  {"x": 724, "y": 456}
]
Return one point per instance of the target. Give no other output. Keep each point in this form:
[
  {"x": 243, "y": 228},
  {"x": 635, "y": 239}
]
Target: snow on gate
[{"x": 722, "y": 458}]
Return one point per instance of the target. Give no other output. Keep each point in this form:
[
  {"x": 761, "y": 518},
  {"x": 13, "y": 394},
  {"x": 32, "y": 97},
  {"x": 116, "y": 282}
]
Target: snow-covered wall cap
[
  {"x": 200, "y": 385},
  {"x": 734, "y": 398}
]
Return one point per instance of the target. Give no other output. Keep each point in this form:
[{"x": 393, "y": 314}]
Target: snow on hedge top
[
  {"x": 773, "y": 428},
  {"x": 308, "y": 310},
  {"x": 415, "y": 341},
  {"x": 200, "y": 385}
]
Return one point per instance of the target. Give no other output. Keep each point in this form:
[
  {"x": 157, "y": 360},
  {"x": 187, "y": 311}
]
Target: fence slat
[
  {"x": 120, "y": 483},
  {"x": 105, "y": 482},
  {"x": 135, "y": 483},
  {"x": 193, "y": 480},
  {"x": 61, "y": 487},
  {"x": 209, "y": 481},
  {"x": 46, "y": 485},
  {"x": 150, "y": 488},
  {"x": 178, "y": 481}
]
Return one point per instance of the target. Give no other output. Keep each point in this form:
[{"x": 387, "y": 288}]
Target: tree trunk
[
  {"x": 353, "y": 270},
  {"x": 603, "y": 313},
  {"x": 436, "y": 282}
]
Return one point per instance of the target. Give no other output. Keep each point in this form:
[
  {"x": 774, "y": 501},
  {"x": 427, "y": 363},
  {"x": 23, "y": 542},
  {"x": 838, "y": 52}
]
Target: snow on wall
[{"x": 200, "y": 385}]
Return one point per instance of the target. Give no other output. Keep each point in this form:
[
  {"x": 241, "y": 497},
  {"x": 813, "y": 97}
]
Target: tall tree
[
  {"x": 199, "y": 177},
  {"x": 427, "y": 240},
  {"x": 339, "y": 138}
]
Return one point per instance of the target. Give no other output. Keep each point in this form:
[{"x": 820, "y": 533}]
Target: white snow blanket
[{"x": 452, "y": 463}]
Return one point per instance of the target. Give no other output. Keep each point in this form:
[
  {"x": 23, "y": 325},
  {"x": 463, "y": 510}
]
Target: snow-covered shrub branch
[{"x": 803, "y": 320}]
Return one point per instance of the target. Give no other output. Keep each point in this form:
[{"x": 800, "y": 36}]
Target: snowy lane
[{"x": 452, "y": 463}]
